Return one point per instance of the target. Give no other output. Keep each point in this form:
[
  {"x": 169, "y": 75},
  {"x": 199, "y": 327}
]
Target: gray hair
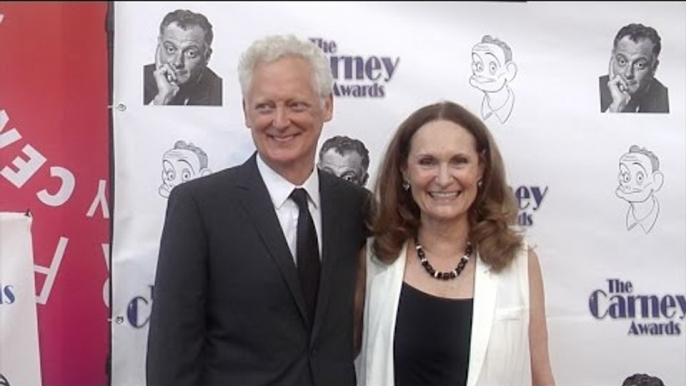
[{"x": 272, "y": 48}]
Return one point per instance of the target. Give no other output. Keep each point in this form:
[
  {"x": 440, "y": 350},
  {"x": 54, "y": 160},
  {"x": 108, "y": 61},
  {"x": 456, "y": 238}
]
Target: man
[
  {"x": 245, "y": 295},
  {"x": 492, "y": 71},
  {"x": 631, "y": 86},
  {"x": 181, "y": 164},
  {"x": 642, "y": 380},
  {"x": 346, "y": 158},
  {"x": 180, "y": 75},
  {"x": 639, "y": 178}
]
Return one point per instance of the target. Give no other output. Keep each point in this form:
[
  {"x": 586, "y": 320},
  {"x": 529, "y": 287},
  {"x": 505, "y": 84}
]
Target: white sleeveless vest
[{"x": 499, "y": 352}]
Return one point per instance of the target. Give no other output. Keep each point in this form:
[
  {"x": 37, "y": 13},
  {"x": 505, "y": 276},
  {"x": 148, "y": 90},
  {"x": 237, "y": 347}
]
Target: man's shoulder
[
  {"x": 211, "y": 75},
  {"x": 148, "y": 69}
]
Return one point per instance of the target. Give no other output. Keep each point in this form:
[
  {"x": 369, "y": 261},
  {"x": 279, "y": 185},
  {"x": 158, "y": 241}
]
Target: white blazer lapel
[{"x": 485, "y": 297}]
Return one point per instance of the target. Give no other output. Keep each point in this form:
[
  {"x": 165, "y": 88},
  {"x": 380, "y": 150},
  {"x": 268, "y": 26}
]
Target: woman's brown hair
[{"x": 396, "y": 216}]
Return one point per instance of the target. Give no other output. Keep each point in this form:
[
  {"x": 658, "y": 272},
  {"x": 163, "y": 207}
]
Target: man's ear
[
  {"x": 208, "y": 54},
  {"x": 659, "y": 179},
  {"x": 245, "y": 114},
  {"x": 328, "y": 108},
  {"x": 657, "y": 63},
  {"x": 511, "y": 71}
]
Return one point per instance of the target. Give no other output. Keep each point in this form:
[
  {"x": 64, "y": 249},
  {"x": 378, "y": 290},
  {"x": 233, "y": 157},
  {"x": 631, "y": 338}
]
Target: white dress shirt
[{"x": 286, "y": 209}]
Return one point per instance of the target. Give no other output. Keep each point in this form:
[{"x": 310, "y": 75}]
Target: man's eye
[
  {"x": 641, "y": 65},
  {"x": 263, "y": 108},
  {"x": 191, "y": 54},
  {"x": 639, "y": 178},
  {"x": 299, "y": 106},
  {"x": 171, "y": 50},
  {"x": 621, "y": 62},
  {"x": 492, "y": 68}
]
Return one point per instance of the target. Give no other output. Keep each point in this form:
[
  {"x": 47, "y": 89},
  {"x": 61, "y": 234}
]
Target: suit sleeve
[{"x": 177, "y": 322}]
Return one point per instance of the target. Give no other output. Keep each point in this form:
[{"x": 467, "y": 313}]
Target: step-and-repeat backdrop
[{"x": 600, "y": 194}]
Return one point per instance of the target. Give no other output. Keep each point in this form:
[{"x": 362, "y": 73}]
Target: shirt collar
[{"x": 280, "y": 188}]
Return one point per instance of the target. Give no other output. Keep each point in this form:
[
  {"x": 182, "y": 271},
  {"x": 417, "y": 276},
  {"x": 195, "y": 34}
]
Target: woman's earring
[
  {"x": 478, "y": 184},
  {"x": 406, "y": 185}
]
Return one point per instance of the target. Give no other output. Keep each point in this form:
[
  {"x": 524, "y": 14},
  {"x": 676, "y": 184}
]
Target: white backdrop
[
  {"x": 19, "y": 351},
  {"x": 557, "y": 145}
]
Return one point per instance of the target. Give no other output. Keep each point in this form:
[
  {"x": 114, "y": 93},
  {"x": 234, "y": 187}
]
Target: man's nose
[
  {"x": 178, "y": 61},
  {"x": 629, "y": 71},
  {"x": 281, "y": 120}
]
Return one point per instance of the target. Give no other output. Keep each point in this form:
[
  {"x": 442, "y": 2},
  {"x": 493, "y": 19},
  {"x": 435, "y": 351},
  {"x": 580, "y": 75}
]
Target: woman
[{"x": 453, "y": 295}]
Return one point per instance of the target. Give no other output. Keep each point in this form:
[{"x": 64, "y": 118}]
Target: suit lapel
[
  {"x": 485, "y": 297},
  {"x": 257, "y": 202},
  {"x": 330, "y": 238}
]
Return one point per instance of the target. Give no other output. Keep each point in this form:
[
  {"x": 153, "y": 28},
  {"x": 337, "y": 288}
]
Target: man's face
[
  {"x": 184, "y": 50},
  {"x": 636, "y": 179},
  {"x": 489, "y": 70},
  {"x": 634, "y": 62},
  {"x": 347, "y": 166},
  {"x": 285, "y": 115},
  {"x": 179, "y": 166}
]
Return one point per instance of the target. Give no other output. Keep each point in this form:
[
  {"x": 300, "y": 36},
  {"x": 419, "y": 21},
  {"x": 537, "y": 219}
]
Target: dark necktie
[{"x": 307, "y": 252}]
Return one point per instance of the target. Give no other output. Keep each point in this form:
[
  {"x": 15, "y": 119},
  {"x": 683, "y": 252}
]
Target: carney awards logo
[
  {"x": 358, "y": 76},
  {"x": 4, "y": 381},
  {"x": 138, "y": 310},
  {"x": 650, "y": 314},
  {"x": 529, "y": 200},
  {"x": 7, "y": 295}
]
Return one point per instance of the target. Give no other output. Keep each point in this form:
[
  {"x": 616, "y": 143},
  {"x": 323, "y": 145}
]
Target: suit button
[{"x": 313, "y": 352}]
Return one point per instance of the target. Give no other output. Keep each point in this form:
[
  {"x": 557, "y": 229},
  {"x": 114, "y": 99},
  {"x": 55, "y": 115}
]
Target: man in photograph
[
  {"x": 346, "y": 158},
  {"x": 180, "y": 75},
  {"x": 631, "y": 86}
]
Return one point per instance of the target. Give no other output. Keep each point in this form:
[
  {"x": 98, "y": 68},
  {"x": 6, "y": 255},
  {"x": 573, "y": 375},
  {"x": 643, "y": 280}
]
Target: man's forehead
[
  {"x": 635, "y": 157},
  {"x": 180, "y": 154},
  {"x": 192, "y": 34},
  {"x": 490, "y": 48},
  {"x": 642, "y": 47}
]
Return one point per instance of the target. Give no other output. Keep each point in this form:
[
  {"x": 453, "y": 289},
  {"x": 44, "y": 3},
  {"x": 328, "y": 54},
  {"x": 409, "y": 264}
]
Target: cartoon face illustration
[
  {"x": 637, "y": 180},
  {"x": 491, "y": 69},
  {"x": 181, "y": 164}
]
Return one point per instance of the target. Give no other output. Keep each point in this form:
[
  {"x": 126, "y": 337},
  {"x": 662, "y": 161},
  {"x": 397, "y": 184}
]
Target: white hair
[{"x": 272, "y": 48}]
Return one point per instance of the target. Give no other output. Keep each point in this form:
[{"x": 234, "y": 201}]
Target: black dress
[{"x": 432, "y": 339}]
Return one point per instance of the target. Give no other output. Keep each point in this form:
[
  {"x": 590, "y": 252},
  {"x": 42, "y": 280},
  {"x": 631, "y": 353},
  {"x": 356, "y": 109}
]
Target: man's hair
[
  {"x": 636, "y": 31},
  {"x": 397, "y": 216},
  {"x": 342, "y": 145},
  {"x": 488, "y": 39},
  {"x": 185, "y": 19},
  {"x": 642, "y": 380},
  {"x": 200, "y": 153},
  {"x": 272, "y": 48},
  {"x": 654, "y": 161}
]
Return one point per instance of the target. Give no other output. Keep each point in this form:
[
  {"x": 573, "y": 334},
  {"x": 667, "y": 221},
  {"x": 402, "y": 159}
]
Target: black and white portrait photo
[
  {"x": 630, "y": 85},
  {"x": 345, "y": 157},
  {"x": 180, "y": 74}
]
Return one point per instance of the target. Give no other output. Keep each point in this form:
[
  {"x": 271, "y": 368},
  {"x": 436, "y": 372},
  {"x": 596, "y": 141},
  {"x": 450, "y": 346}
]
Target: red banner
[{"x": 54, "y": 162}]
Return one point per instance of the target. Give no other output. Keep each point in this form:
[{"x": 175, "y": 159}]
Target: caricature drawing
[
  {"x": 639, "y": 178},
  {"x": 492, "y": 71},
  {"x": 182, "y": 163}
]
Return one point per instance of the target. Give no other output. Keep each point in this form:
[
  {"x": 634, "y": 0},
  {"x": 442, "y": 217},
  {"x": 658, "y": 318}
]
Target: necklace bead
[{"x": 438, "y": 274}]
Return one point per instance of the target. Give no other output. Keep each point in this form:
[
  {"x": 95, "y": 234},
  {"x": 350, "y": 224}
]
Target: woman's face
[{"x": 443, "y": 169}]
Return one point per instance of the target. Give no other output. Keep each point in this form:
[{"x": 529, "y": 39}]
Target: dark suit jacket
[
  {"x": 206, "y": 92},
  {"x": 656, "y": 99},
  {"x": 227, "y": 304}
]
